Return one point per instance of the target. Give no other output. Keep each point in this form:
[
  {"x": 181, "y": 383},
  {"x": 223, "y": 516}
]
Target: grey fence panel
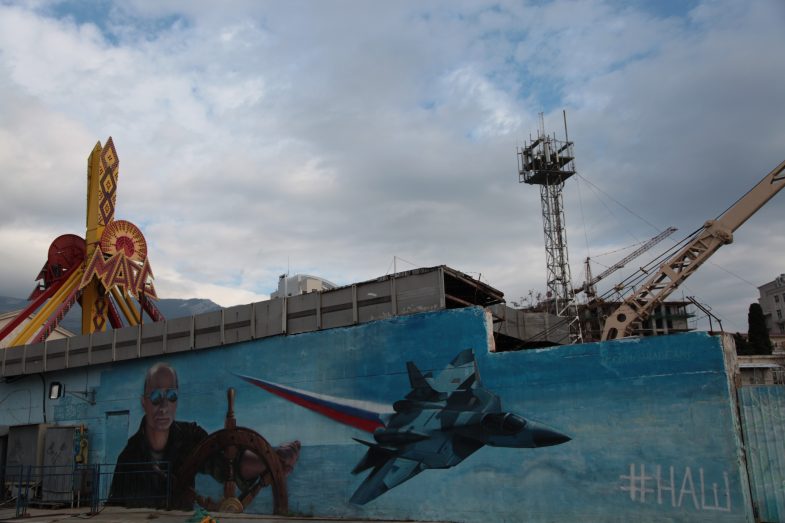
[
  {"x": 374, "y": 300},
  {"x": 268, "y": 318},
  {"x": 78, "y": 351},
  {"x": 178, "y": 334},
  {"x": 126, "y": 343},
  {"x": 152, "y": 342},
  {"x": 338, "y": 308},
  {"x": 207, "y": 330},
  {"x": 56, "y": 354},
  {"x": 237, "y": 323},
  {"x": 101, "y": 350},
  {"x": 34, "y": 358},
  {"x": 419, "y": 292},
  {"x": 13, "y": 361},
  {"x": 301, "y": 313}
]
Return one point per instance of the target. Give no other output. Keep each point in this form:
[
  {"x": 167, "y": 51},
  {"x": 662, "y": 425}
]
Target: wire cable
[
  {"x": 619, "y": 203},
  {"x": 583, "y": 218}
]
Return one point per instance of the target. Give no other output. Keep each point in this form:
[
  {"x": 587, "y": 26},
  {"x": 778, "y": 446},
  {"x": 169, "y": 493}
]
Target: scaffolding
[{"x": 548, "y": 162}]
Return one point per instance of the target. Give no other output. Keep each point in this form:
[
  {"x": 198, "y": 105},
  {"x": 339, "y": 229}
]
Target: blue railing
[{"x": 83, "y": 485}]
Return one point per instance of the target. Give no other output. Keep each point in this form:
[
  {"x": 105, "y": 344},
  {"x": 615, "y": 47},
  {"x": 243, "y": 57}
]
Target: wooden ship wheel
[{"x": 231, "y": 442}]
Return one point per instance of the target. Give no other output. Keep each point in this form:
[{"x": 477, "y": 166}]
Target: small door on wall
[
  {"x": 116, "y": 435},
  {"x": 58, "y": 462}
]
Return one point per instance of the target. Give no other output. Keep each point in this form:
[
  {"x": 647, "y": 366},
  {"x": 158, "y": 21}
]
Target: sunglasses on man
[{"x": 157, "y": 396}]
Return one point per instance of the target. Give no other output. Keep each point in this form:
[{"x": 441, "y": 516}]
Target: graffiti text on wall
[{"x": 660, "y": 485}]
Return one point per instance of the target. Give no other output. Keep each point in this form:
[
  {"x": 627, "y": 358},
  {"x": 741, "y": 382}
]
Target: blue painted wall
[{"x": 651, "y": 420}]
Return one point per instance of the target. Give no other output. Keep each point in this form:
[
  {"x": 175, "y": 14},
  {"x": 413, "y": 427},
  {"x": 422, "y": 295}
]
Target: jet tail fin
[
  {"x": 466, "y": 360},
  {"x": 421, "y": 388},
  {"x": 416, "y": 379}
]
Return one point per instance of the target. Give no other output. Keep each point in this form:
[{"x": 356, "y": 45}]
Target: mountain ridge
[{"x": 170, "y": 307}]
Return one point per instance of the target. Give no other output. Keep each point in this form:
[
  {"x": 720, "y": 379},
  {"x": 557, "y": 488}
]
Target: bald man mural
[{"x": 141, "y": 482}]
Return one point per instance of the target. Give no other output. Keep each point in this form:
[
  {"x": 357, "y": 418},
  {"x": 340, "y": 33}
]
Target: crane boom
[
  {"x": 624, "y": 261},
  {"x": 713, "y": 235}
]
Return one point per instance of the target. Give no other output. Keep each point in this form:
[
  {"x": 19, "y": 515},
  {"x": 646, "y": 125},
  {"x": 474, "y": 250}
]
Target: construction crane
[
  {"x": 588, "y": 286},
  {"x": 713, "y": 235}
]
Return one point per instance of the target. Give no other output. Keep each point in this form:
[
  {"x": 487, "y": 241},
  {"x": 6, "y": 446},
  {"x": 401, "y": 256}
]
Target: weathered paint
[
  {"x": 651, "y": 420},
  {"x": 763, "y": 416}
]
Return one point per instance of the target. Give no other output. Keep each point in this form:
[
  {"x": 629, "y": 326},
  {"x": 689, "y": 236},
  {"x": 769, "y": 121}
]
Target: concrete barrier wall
[
  {"x": 414, "y": 292},
  {"x": 651, "y": 421}
]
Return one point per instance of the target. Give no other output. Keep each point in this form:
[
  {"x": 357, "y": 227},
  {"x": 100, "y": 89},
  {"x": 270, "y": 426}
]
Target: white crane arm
[
  {"x": 627, "y": 259},
  {"x": 715, "y": 234}
]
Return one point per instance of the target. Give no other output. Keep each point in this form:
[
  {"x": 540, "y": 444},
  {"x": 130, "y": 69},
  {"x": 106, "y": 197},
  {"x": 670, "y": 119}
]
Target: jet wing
[{"x": 385, "y": 475}]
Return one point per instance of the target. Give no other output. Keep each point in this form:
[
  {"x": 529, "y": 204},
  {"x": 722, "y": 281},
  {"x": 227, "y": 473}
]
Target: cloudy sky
[{"x": 331, "y": 136}]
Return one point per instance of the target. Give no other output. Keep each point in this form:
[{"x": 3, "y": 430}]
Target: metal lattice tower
[{"x": 548, "y": 162}]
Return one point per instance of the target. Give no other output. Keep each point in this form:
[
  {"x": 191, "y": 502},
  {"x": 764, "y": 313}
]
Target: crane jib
[{"x": 675, "y": 270}]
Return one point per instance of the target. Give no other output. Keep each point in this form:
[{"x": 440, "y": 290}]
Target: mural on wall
[
  {"x": 636, "y": 410},
  {"x": 165, "y": 454},
  {"x": 437, "y": 425}
]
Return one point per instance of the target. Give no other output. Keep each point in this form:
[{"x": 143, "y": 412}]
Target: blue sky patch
[{"x": 106, "y": 15}]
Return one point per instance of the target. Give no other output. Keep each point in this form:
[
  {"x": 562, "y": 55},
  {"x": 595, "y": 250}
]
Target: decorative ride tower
[
  {"x": 107, "y": 272},
  {"x": 549, "y": 162}
]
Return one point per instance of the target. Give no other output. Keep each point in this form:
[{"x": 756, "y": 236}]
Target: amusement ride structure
[{"x": 107, "y": 272}]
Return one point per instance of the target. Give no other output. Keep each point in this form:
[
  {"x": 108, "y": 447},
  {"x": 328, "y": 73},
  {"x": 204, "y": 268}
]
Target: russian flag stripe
[{"x": 333, "y": 408}]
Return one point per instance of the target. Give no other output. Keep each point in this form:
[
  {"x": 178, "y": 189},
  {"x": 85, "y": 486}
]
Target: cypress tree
[
  {"x": 758, "y": 334},
  {"x": 742, "y": 347}
]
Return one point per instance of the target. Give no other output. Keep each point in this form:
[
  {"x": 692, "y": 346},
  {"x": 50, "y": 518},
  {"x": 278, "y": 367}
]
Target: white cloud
[
  {"x": 339, "y": 137},
  {"x": 492, "y": 110}
]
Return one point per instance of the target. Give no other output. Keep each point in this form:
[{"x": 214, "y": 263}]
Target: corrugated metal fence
[{"x": 763, "y": 421}]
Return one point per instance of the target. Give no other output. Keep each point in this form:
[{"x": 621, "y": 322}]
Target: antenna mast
[{"x": 548, "y": 162}]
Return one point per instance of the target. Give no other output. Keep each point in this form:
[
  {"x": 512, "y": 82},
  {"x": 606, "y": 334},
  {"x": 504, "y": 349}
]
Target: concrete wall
[
  {"x": 651, "y": 420},
  {"x": 533, "y": 328},
  {"x": 414, "y": 292}
]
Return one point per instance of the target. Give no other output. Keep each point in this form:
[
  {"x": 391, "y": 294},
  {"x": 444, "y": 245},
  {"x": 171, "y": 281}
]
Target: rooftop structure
[
  {"x": 670, "y": 317},
  {"x": 410, "y": 292},
  {"x": 301, "y": 284}
]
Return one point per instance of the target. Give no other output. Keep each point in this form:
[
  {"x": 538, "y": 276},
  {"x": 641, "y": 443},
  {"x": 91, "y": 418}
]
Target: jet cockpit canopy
[{"x": 503, "y": 423}]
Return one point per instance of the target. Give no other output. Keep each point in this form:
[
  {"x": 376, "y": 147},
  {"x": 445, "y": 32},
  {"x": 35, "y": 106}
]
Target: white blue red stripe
[{"x": 363, "y": 415}]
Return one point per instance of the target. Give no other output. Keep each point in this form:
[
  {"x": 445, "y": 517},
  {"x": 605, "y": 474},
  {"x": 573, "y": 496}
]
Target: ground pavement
[{"x": 123, "y": 515}]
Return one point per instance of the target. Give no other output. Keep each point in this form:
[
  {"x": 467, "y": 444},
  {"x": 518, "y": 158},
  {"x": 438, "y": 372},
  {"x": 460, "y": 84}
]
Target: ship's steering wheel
[{"x": 231, "y": 442}]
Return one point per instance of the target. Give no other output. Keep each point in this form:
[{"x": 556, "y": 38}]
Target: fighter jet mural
[{"x": 438, "y": 424}]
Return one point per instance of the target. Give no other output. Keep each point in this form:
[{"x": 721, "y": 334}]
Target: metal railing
[{"x": 89, "y": 485}]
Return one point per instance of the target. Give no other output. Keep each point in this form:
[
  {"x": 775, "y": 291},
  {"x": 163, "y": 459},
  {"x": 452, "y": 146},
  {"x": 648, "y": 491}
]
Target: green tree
[
  {"x": 758, "y": 334},
  {"x": 742, "y": 347}
]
